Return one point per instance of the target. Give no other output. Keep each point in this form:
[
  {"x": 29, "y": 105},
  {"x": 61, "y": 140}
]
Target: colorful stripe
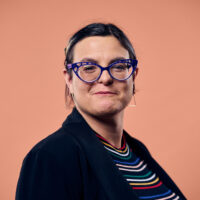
[
  {"x": 120, "y": 151},
  {"x": 134, "y": 170},
  {"x": 120, "y": 154},
  {"x": 128, "y": 163},
  {"x": 149, "y": 187},
  {"x": 129, "y": 166},
  {"x": 142, "y": 180},
  {"x": 154, "y": 196},
  {"x": 150, "y": 183},
  {"x": 165, "y": 198},
  {"x": 139, "y": 176}
]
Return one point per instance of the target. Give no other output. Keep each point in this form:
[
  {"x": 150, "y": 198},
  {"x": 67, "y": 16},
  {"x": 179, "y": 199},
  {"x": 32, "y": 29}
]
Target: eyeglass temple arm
[{"x": 69, "y": 66}]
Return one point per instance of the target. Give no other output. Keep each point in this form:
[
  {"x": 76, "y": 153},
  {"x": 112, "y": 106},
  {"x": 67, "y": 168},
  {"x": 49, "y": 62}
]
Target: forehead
[{"x": 99, "y": 48}]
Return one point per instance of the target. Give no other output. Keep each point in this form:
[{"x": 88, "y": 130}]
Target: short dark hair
[{"x": 95, "y": 29}]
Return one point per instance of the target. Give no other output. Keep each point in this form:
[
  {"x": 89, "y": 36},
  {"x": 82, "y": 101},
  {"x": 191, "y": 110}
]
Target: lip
[{"x": 105, "y": 92}]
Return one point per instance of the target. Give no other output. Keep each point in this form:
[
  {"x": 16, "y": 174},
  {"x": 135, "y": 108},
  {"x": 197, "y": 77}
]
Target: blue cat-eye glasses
[{"x": 90, "y": 72}]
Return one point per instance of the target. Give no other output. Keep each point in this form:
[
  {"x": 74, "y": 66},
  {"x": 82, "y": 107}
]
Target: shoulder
[
  {"x": 60, "y": 146},
  {"x": 52, "y": 169}
]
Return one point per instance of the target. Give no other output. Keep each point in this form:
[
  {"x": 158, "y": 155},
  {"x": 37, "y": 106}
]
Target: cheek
[
  {"x": 129, "y": 88},
  {"x": 80, "y": 88},
  {"x": 129, "y": 93}
]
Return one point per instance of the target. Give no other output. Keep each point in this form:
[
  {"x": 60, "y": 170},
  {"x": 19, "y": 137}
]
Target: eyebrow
[{"x": 96, "y": 62}]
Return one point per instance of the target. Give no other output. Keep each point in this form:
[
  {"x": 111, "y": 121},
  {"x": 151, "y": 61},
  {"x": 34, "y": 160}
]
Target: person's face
[{"x": 105, "y": 96}]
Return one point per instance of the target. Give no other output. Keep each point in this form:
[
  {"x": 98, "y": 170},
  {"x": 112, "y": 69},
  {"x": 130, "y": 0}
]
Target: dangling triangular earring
[{"x": 133, "y": 105}]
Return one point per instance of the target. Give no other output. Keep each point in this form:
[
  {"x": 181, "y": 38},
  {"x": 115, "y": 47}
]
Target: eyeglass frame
[{"x": 72, "y": 66}]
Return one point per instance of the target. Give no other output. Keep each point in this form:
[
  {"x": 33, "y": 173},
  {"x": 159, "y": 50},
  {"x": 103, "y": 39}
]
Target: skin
[{"x": 103, "y": 111}]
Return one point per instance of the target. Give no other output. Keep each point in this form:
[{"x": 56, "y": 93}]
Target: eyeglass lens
[{"x": 119, "y": 71}]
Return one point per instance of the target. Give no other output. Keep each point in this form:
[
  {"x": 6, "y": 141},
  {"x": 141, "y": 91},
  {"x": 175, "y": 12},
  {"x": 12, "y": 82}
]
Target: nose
[{"x": 105, "y": 78}]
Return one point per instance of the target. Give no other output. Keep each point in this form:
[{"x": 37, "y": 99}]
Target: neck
[{"x": 111, "y": 128}]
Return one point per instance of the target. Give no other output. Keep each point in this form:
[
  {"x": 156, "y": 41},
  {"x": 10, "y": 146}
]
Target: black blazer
[{"x": 72, "y": 164}]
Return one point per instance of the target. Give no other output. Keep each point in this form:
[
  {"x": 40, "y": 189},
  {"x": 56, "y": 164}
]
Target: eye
[
  {"x": 120, "y": 67},
  {"x": 89, "y": 68}
]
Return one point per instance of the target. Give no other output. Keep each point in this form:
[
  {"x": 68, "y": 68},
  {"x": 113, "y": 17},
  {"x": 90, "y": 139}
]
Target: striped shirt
[{"x": 144, "y": 181}]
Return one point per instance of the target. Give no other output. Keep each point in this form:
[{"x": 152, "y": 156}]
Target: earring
[
  {"x": 72, "y": 95},
  {"x": 133, "y": 105}
]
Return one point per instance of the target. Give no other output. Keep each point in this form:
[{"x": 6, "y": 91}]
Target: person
[{"x": 91, "y": 156}]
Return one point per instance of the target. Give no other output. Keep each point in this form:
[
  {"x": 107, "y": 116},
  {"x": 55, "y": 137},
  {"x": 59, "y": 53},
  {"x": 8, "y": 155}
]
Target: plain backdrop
[{"x": 165, "y": 34}]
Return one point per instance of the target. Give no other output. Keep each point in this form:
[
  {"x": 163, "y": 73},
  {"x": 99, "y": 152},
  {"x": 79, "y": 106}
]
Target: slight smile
[{"x": 105, "y": 93}]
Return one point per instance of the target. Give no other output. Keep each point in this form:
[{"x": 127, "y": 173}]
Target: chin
[
  {"x": 103, "y": 109},
  {"x": 107, "y": 110}
]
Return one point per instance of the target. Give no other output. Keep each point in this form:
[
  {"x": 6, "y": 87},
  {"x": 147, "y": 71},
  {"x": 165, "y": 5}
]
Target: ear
[
  {"x": 135, "y": 73},
  {"x": 68, "y": 80}
]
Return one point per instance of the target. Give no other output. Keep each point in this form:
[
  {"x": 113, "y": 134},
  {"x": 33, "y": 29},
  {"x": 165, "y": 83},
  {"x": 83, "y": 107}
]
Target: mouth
[{"x": 105, "y": 93}]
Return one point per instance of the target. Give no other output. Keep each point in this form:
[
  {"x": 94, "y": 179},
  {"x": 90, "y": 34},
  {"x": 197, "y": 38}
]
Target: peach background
[{"x": 166, "y": 38}]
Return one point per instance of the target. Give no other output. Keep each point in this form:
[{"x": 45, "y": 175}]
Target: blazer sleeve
[{"x": 43, "y": 176}]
